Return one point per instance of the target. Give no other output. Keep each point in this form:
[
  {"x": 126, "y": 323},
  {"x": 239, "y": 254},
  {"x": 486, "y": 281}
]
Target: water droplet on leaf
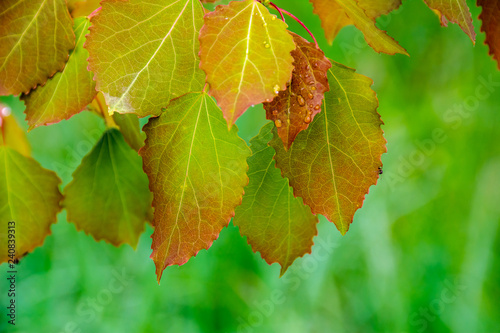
[
  {"x": 276, "y": 89},
  {"x": 275, "y": 112},
  {"x": 310, "y": 96},
  {"x": 307, "y": 119},
  {"x": 317, "y": 107},
  {"x": 277, "y": 122},
  {"x": 301, "y": 100}
]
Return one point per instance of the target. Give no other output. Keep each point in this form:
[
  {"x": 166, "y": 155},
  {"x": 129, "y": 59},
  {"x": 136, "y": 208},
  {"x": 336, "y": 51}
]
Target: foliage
[{"x": 196, "y": 71}]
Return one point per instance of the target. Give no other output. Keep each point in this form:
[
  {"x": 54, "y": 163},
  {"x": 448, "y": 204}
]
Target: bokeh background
[{"x": 422, "y": 255}]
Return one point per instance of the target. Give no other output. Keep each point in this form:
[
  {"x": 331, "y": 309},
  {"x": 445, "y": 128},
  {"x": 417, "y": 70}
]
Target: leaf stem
[
  {"x": 279, "y": 10},
  {"x": 302, "y": 24},
  {"x": 108, "y": 119}
]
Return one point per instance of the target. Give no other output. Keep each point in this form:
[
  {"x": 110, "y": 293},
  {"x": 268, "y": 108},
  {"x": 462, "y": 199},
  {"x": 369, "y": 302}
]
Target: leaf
[
  {"x": 455, "y": 11},
  {"x": 108, "y": 197},
  {"x": 30, "y": 197},
  {"x": 332, "y": 164},
  {"x": 294, "y": 108},
  {"x": 35, "y": 38},
  {"x": 197, "y": 171},
  {"x": 68, "y": 92},
  {"x": 12, "y": 136},
  {"x": 331, "y": 14},
  {"x": 85, "y": 7},
  {"x": 245, "y": 52},
  {"x": 143, "y": 54},
  {"x": 130, "y": 128},
  {"x": 490, "y": 17},
  {"x": 277, "y": 224}
]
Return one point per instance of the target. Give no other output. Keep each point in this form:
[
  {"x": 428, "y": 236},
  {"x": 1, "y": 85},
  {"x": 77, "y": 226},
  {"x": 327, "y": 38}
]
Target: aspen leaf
[
  {"x": 455, "y": 11},
  {"x": 490, "y": 17},
  {"x": 294, "y": 108},
  {"x": 108, "y": 197},
  {"x": 245, "y": 52},
  {"x": 277, "y": 224},
  {"x": 335, "y": 14},
  {"x": 35, "y": 38},
  {"x": 332, "y": 164},
  {"x": 145, "y": 53},
  {"x": 197, "y": 171},
  {"x": 68, "y": 92},
  {"x": 29, "y": 197}
]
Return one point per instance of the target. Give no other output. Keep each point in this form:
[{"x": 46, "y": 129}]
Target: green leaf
[
  {"x": 277, "y": 224},
  {"x": 30, "y": 197},
  {"x": 197, "y": 171},
  {"x": 245, "y": 52},
  {"x": 332, "y": 164},
  {"x": 455, "y": 11},
  {"x": 333, "y": 12},
  {"x": 108, "y": 197},
  {"x": 68, "y": 92},
  {"x": 294, "y": 108},
  {"x": 130, "y": 128},
  {"x": 12, "y": 135},
  {"x": 144, "y": 54},
  {"x": 35, "y": 38},
  {"x": 490, "y": 15}
]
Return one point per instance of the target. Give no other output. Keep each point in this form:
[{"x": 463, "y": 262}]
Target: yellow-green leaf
[
  {"x": 277, "y": 224},
  {"x": 12, "y": 136},
  {"x": 68, "y": 92},
  {"x": 35, "y": 38},
  {"x": 245, "y": 52},
  {"x": 455, "y": 11},
  {"x": 108, "y": 197},
  {"x": 333, "y": 15},
  {"x": 332, "y": 164},
  {"x": 197, "y": 171},
  {"x": 130, "y": 128},
  {"x": 145, "y": 53},
  {"x": 30, "y": 197}
]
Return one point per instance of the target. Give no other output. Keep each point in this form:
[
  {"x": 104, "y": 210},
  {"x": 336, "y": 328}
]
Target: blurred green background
[{"x": 421, "y": 255}]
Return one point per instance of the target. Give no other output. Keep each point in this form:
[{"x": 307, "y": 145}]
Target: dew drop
[
  {"x": 310, "y": 96},
  {"x": 315, "y": 65},
  {"x": 301, "y": 100},
  {"x": 313, "y": 88},
  {"x": 307, "y": 75},
  {"x": 276, "y": 89},
  {"x": 277, "y": 122},
  {"x": 264, "y": 24},
  {"x": 307, "y": 119},
  {"x": 311, "y": 106},
  {"x": 267, "y": 46},
  {"x": 275, "y": 112},
  {"x": 317, "y": 107},
  {"x": 5, "y": 112},
  {"x": 311, "y": 83},
  {"x": 273, "y": 17}
]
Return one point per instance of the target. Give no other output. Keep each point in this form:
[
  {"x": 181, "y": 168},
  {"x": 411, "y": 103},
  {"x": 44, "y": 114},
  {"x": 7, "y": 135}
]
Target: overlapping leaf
[
  {"x": 455, "y": 11},
  {"x": 12, "y": 135},
  {"x": 490, "y": 17},
  {"x": 245, "y": 52},
  {"x": 130, "y": 128},
  {"x": 68, "y": 92},
  {"x": 144, "y": 53},
  {"x": 294, "y": 108},
  {"x": 35, "y": 38},
  {"x": 332, "y": 164},
  {"x": 83, "y": 7},
  {"x": 29, "y": 197},
  {"x": 335, "y": 14},
  {"x": 197, "y": 171},
  {"x": 108, "y": 197},
  {"x": 277, "y": 224}
]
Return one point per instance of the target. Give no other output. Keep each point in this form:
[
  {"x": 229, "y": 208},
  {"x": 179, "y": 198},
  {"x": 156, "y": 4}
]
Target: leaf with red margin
[
  {"x": 35, "y": 38},
  {"x": 197, "y": 171},
  {"x": 335, "y": 14},
  {"x": 455, "y": 11},
  {"x": 12, "y": 135},
  {"x": 68, "y": 92},
  {"x": 490, "y": 16},
  {"x": 277, "y": 224},
  {"x": 294, "y": 108},
  {"x": 144, "y": 54},
  {"x": 332, "y": 164},
  {"x": 245, "y": 52}
]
